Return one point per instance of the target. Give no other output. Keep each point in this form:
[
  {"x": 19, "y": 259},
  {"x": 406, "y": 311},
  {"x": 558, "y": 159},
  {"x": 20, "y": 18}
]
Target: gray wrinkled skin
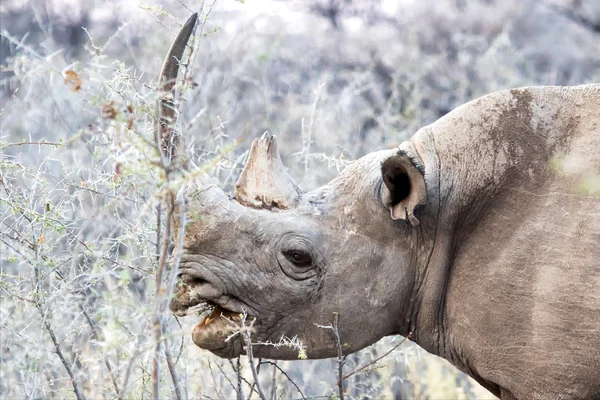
[{"x": 501, "y": 275}]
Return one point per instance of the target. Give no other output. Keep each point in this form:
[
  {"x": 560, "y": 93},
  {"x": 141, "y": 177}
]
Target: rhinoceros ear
[
  {"x": 264, "y": 182},
  {"x": 405, "y": 187}
]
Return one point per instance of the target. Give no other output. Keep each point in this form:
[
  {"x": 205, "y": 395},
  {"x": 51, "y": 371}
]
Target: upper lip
[{"x": 201, "y": 291}]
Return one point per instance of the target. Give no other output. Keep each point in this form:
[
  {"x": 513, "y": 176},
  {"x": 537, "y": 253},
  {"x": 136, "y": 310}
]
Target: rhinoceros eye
[{"x": 298, "y": 258}]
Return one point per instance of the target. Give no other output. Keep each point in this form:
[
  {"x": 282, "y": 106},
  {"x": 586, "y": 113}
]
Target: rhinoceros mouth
[
  {"x": 208, "y": 309},
  {"x": 217, "y": 328},
  {"x": 221, "y": 316}
]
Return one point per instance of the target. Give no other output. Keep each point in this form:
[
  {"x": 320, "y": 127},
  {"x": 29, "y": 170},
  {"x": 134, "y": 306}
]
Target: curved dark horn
[
  {"x": 166, "y": 110},
  {"x": 264, "y": 182}
]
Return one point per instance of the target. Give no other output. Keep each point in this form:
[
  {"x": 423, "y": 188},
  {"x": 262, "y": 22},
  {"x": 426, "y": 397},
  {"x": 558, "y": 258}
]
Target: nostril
[
  {"x": 185, "y": 279},
  {"x": 192, "y": 285},
  {"x": 199, "y": 282}
]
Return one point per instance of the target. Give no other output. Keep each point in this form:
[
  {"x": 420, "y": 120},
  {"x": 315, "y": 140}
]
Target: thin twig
[
  {"x": 102, "y": 193},
  {"x": 171, "y": 284},
  {"x": 158, "y": 229},
  {"x": 32, "y": 143},
  {"x": 184, "y": 5},
  {"x": 252, "y": 389},
  {"x": 340, "y": 355},
  {"x": 238, "y": 371},
  {"x": 162, "y": 260},
  {"x": 245, "y": 331},
  {"x": 50, "y": 331},
  {"x": 180, "y": 343},
  {"x": 158, "y": 328},
  {"x": 225, "y": 374},
  {"x": 286, "y": 375},
  {"x": 12, "y": 96},
  {"x": 129, "y": 368},
  {"x": 172, "y": 371},
  {"x": 92, "y": 325},
  {"x": 375, "y": 361},
  {"x": 572, "y": 15},
  {"x": 274, "y": 383},
  {"x": 64, "y": 361},
  {"x": 307, "y": 136}
]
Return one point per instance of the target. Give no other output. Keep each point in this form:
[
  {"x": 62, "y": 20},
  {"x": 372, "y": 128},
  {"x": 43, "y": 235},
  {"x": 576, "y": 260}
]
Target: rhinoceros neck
[{"x": 476, "y": 158}]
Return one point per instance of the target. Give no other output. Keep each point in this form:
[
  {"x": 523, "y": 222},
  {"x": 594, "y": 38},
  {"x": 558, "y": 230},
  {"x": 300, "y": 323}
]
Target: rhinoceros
[{"x": 479, "y": 237}]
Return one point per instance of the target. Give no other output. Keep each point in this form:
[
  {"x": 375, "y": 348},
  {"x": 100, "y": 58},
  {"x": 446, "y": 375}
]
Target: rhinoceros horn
[
  {"x": 168, "y": 140},
  {"x": 210, "y": 200},
  {"x": 264, "y": 182}
]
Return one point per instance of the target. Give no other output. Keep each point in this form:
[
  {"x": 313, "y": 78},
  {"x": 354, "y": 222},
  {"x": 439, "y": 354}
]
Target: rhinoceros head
[{"x": 291, "y": 262}]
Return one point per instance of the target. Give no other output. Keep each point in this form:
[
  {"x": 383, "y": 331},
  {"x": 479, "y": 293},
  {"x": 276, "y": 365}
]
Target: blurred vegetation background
[{"x": 333, "y": 79}]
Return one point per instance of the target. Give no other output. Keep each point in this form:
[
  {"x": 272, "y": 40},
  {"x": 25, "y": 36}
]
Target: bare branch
[
  {"x": 40, "y": 143},
  {"x": 375, "y": 361},
  {"x": 307, "y": 131},
  {"x": 12, "y": 96},
  {"x": 172, "y": 371},
  {"x": 274, "y": 382},
  {"x": 245, "y": 332},
  {"x": 579, "y": 18},
  {"x": 158, "y": 321},
  {"x": 64, "y": 361},
  {"x": 286, "y": 375},
  {"x": 238, "y": 372},
  {"x": 129, "y": 369},
  {"x": 340, "y": 355},
  {"x": 92, "y": 325}
]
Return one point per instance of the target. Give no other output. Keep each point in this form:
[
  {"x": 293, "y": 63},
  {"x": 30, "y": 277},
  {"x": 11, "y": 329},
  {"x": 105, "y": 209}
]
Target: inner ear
[
  {"x": 397, "y": 181},
  {"x": 405, "y": 187}
]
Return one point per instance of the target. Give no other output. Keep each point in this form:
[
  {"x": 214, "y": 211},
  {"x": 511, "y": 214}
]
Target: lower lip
[{"x": 218, "y": 312}]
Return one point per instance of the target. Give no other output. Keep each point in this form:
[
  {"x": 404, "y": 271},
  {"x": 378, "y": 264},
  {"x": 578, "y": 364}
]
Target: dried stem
[
  {"x": 49, "y": 329},
  {"x": 158, "y": 230},
  {"x": 128, "y": 370},
  {"x": 12, "y": 96},
  {"x": 92, "y": 325},
  {"x": 307, "y": 133},
  {"x": 172, "y": 371},
  {"x": 274, "y": 382},
  {"x": 245, "y": 331},
  {"x": 64, "y": 361},
  {"x": 252, "y": 387},
  {"x": 286, "y": 375},
  {"x": 162, "y": 260},
  {"x": 158, "y": 328},
  {"x": 40, "y": 143},
  {"x": 375, "y": 361},
  {"x": 171, "y": 287},
  {"x": 340, "y": 355},
  {"x": 238, "y": 370}
]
